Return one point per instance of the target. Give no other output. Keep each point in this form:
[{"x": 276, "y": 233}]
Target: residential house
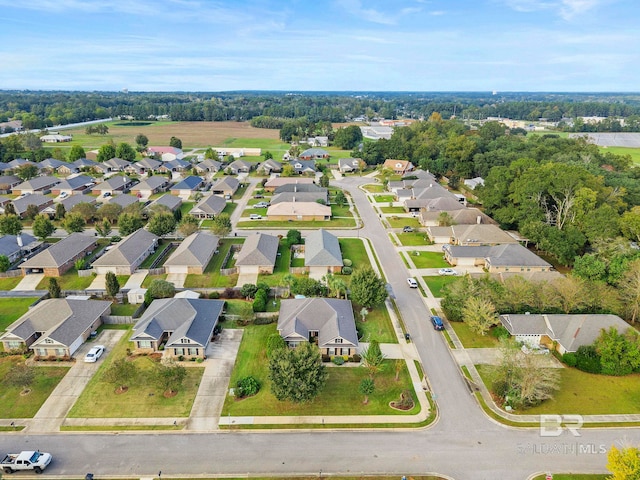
[
  {"x": 458, "y": 216},
  {"x": 301, "y": 188},
  {"x": 376, "y": 132},
  {"x": 470, "y": 235},
  {"x": 17, "y": 163},
  {"x": 165, "y": 154},
  {"x": 60, "y": 257},
  {"x": 258, "y": 254},
  {"x": 318, "y": 141},
  {"x": 143, "y": 166},
  {"x": 56, "y": 138},
  {"x": 8, "y": 182},
  {"x": 181, "y": 328},
  {"x": 73, "y": 185},
  {"x": 322, "y": 253},
  {"x": 4, "y": 201},
  {"x": 80, "y": 165},
  {"x": 472, "y": 183},
  {"x": 113, "y": 185},
  {"x": 511, "y": 257},
  {"x": 270, "y": 166},
  {"x": 36, "y": 184},
  {"x": 307, "y": 167},
  {"x": 22, "y": 204},
  {"x": 123, "y": 200},
  {"x": 304, "y": 211},
  {"x": 327, "y": 322},
  {"x": 167, "y": 200},
  {"x": 399, "y": 167},
  {"x": 208, "y": 166},
  {"x": 50, "y": 165},
  {"x": 193, "y": 254},
  {"x": 239, "y": 166},
  {"x": 127, "y": 255},
  {"x": 349, "y": 165},
  {"x": 276, "y": 182},
  {"x": 15, "y": 246},
  {"x": 225, "y": 186},
  {"x": 116, "y": 164},
  {"x": 209, "y": 207},
  {"x": 565, "y": 333},
  {"x": 313, "y": 154},
  {"x": 303, "y": 197},
  {"x": 174, "y": 166},
  {"x": 68, "y": 203},
  {"x": 55, "y": 328},
  {"x": 187, "y": 186},
  {"x": 150, "y": 186}
]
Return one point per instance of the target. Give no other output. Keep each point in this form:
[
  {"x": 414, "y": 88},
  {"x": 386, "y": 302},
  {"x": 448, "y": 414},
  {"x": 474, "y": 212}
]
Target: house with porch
[
  {"x": 399, "y": 167},
  {"x": 240, "y": 166},
  {"x": 15, "y": 246},
  {"x": 193, "y": 254},
  {"x": 183, "y": 327},
  {"x": 322, "y": 253},
  {"x": 209, "y": 207},
  {"x": 511, "y": 257},
  {"x": 36, "y": 185},
  {"x": 269, "y": 166},
  {"x": 73, "y": 185},
  {"x": 38, "y": 200},
  {"x": 113, "y": 185},
  {"x": 327, "y": 322},
  {"x": 61, "y": 256},
  {"x": 299, "y": 211},
  {"x": 225, "y": 186},
  {"x": 150, "y": 186}
]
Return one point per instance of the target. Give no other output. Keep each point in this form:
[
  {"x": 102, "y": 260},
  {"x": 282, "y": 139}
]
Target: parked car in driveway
[
  {"x": 94, "y": 354},
  {"x": 255, "y": 216},
  {"x": 447, "y": 271},
  {"x": 261, "y": 205},
  {"x": 407, "y": 228},
  {"x": 437, "y": 322}
]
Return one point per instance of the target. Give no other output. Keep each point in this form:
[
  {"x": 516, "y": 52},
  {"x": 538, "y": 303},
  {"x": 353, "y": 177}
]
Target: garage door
[
  {"x": 249, "y": 269},
  {"x": 75, "y": 345},
  {"x": 177, "y": 269}
]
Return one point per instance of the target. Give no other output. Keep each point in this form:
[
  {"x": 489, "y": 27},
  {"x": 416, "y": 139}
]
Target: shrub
[
  {"x": 214, "y": 295},
  {"x": 347, "y": 263},
  {"x": 260, "y": 302},
  {"x": 338, "y": 360},
  {"x": 347, "y": 270},
  {"x": 199, "y": 360},
  {"x": 264, "y": 320},
  {"x": 500, "y": 332},
  {"x": 356, "y": 358},
  {"x": 588, "y": 359},
  {"x": 115, "y": 239},
  {"x": 228, "y": 293},
  {"x": 326, "y": 358},
  {"x": 247, "y": 387},
  {"x": 570, "y": 359}
]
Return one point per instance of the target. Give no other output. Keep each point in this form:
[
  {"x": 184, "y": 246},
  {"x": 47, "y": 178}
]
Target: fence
[
  {"x": 117, "y": 319},
  {"x": 86, "y": 273},
  {"x": 11, "y": 274},
  {"x": 228, "y": 271},
  {"x": 156, "y": 271}
]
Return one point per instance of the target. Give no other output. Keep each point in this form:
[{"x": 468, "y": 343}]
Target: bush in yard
[
  {"x": 347, "y": 263},
  {"x": 588, "y": 359},
  {"x": 4, "y": 263},
  {"x": 356, "y": 358},
  {"x": 214, "y": 295},
  {"x": 247, "y": 387},
  {"x": 570, "y": 359},
  {"x": 338, "y": 360},
  {"x": 347, "y": 270},
  {"x": 500, "y": 332},
  {"x": 260, "y": 302},
  {"x": 161, "y": 289}
]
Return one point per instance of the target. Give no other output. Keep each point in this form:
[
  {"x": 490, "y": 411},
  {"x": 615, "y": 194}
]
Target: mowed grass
[
  {"x": 471, "y": 339},
  {"x": 436, "y": 284},
  {"x": 353, "y": 249},
  {"x": 14, "y": 405},
  {"x": 339, "y": 397},
  {"x": 384, "y": 198},
  {"x": 9, "y": 283},
  {"x": 428, "y": 259},
  {"x": 281, "y": 267},
  {"x": 634, "y": 153},
  {"x": 13, "y": 308},
  {"x": 399, "y": 222},
  {"x": 377, "y": 326},
  {"x": 143, "y": 399},
  {"x": 69, "y": 281},
  {"x": 212, "y": 277},
  {"x": 414, "y": 239}
]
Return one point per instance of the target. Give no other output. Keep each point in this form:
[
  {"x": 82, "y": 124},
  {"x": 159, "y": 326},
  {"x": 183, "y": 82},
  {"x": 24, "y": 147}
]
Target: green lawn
[
  {"x": 436, "y": 284},
  {"x": 152, "y": 258},
  {"x": 634, "y": 153},
  {"x": 428, "y": 259},
  {"x": 471, "y": 339},
  {"x": 377, "y": 326},
  {"x": 398, "y": 222},
  {"x": 186, "y": 207},
  {"x": 414, "y": 239},
  {"x": 339, "y": 397},
  {"x": 384, "y": 198},
  {"x": 9, "y": 283},
  {"x": 150, "y": 278},
  {"x": 14, "y": 405},
  {"x": 353, "y": 249},
  {"x": 143, "y": 399},
  {"x": 13, "y": 308},
  {"x": 281, "y": 268},
  {"x": 586, "y": 394},
  {"x": 123, "y": 309},
  {"x": 392, "y": 210},
  {"x": 229, "y": 208},
  {"x": 374, "y": 188},
  {"x": 212, "y": 277},
  {"x": 69, "y": 281}
]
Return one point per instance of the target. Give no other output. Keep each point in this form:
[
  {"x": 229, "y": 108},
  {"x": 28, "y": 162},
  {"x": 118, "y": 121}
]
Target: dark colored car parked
[{"x": 437, "y": 323}]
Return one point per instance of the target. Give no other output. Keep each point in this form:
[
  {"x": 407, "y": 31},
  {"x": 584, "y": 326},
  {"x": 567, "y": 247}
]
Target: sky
[{"x": 321, "y": 45}]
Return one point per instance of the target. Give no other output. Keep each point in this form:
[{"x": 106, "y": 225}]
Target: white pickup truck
[{"x": 27, "y": 460}]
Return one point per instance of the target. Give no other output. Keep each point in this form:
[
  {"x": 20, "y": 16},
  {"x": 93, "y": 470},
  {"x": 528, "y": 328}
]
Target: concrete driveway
[
  {"x": 99, "y": 283},
  {"x": 177, "y": 279},
  {"x": 135, "y": 280},
  {"x": 29, "y": 282},
  {"x": 243, "y": 278}
]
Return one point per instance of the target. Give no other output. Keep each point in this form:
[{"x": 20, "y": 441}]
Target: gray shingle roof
[
  {"x": 37, "y": 183},
  {"x": 37, "y": 199},
  {"x": 299, "y": 197},
  {"x": 123, "y": 200},
  {"x": 128, "y": 249},
  {"x": 331, "y": 317},
  {"x": 212, "y": 205},
  {"x": 322, "y": 249},
  {"x": 194, "y": 319},
  {"x": 226, "y": 183},
  {"x": 60, "y": 253},
  {"x": 302, "y": 187},
  {"x": 150, "y": 183},
  {"x": 170, "y": 201},
  {"x": 74, "y": 182},
  {"x": 258, "y": 249},
  {"x": 9, "y": 243},
  {"x": 73, "y": 200},
  {"x": 188, "y": 183},
  {"x": 113, "y": 183},
  {"x": 195, "y": 250}
]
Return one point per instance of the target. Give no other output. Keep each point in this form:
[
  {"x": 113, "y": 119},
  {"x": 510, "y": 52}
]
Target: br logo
[{"x": 554, "y": 425}]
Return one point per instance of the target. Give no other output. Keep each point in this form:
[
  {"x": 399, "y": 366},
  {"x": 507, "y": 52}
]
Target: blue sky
[{"x": 380, "y": 45}]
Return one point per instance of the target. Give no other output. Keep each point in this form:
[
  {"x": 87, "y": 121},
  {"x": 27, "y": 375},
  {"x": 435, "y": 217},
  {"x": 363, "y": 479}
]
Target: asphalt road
[{"x": 463, "y": 444}]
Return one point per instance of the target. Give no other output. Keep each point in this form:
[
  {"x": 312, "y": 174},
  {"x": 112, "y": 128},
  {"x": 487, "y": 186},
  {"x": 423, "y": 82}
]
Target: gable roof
[
  {"x": 299, "y": 197},
  {"x": 51, "y": 163},
  {"x": 72, "y": 200},
  {"x": 150, "y": 183},
  {"x": 37, "y": 199},
  {"x": 161, "y": 150},
  {"x": 331, "y": 317},
  {"x": 209, "y": 165},
  {"x": 117, "y": 163},
  {"x": 240, "y": 165},
  {"x": 190, "y": 183},
  {"x": 403, "y": 165},
  {"x": 302, "y": 166},
  {"x": 74, "y": 182},
  {"x": 480, "y": 233},
  {"x": 61, "y": 252},
  {"x": 299, "y": 208},
  {"x": 508, "y": 255},
  {"x": 195, "y": 250},
  {"x": 226, "y": 183},
  {"x": 170, "y": 201},
  {"x": 84, "y": 163},
  {"x": 148, "y": 163},
  {"x": 321, "y": 248},
  {"x": 189, "y": 318},
  {"x": 279, "y": 181},
  {"x": 123, "y": 200},
  {"x": 37, "y": 183},
  {"x": 211, "y": 205},
  {"x": 314, "y": 152},
  {"x": 258, "y": 249},
  {"x": 115, "y": 182},
  {"x": 300, "y": 187},
  {"x": 128, "y": 249},
  {"x": 9, "y": 243}
]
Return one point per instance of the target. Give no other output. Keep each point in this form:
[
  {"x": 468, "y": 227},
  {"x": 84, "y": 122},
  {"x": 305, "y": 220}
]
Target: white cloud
[
  {"x": 567, "y": 9},
  {"x": 370, "y": 14}
]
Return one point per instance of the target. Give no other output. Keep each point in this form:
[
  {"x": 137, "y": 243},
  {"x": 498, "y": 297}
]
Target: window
[
  {"x": 179, "y": 351},
  {"x": 338, "y": 340},
  {"x": 193, "y": 351},
  {"x": 144, "y": 343},
  {"x": 48, "y": 340},
  {"x": 60, "y": 352},
  {"x": 41, "y": 352},
  {"x": 13, "y": 344}
]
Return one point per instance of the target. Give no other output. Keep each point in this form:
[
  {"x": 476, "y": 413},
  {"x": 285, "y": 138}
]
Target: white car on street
[{"x": 94, "y": 354}]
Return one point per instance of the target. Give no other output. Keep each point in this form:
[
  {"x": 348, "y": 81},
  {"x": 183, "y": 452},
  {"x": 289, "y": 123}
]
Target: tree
[
  {"x": 188, "y": 225},
  {"x": 76, "y": 152},
  {"x": 340, "y": 199},
  {"x": 175, "y": 142},
  {"x": 619, "y": 353},
  {"x": 248, "y": 291},
  {"x": 309, "y": 287},
  {"x": 10, "y": 225},
  {"x": 366, "y": 388},
  {"x": 267, "y": 155},
  {"x": 260, "y": 301},
  {"x": 120, "y": 373},
  {"x": 9, "y": 209},
  {"x": 20, "y": 375},
  {"x": 73, "y": 222},
  {"x": 54, "y": 288},
  {"x": 129, "y": 223},
  {"x": 367, "y": 288},
  {"x": 275, "y": 343},
  {"x": 169, "y": 376},
  {"x": 104, "y": 228},
  {"x": 27, "y": 171},
  {"x": 221, "y": 225},
  {"x": 43, "y": 227},
  {"x": 162, "y": 224},
  {"x": 125, "y": 152},
  {"x": 479, "y": 314},
  {"x": 297, "y": 374},
  {"x": 624, "y": 464},
  {"x": 60, "y": 211},
  {"x": 373, "y": 358},
  {"x": 106, "y": 152},
  {"x": 294, "y": 237},
  {"x": 111, "y": 284},
  {"x": 161, "y": 289},
  {"x": 348, "y": 138},
  {"x": 86, "y": 210},
  {"x": 628, "y": 290},
  {"x": 5, "y": 263},
  {"x": 31, "y": 212},
  {"x": 110, "y": 212},
  {"x": 141, "y": 141},
  {"x": 324, "y": 181}
]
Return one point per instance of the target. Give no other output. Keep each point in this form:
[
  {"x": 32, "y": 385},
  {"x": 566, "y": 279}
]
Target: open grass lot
[
  {"x": 374, "y": 188},
  {"x": 14, "y": 405},
  {"x": 339, "y": 397},
  {"x": 392, "y": 210},
  {"x": 143, "y": 399},
  {"x": 353, "y": 249},
  {"x": 428, "y": 259},
  {"x": 586, "y": 394},
  {"x": 436, "y": 284},
  {"x": 192, "y": 134},
  {"x": 212, "y": 277},
  {"x": 634, "y": 153},
  {"x": 69, "y": 281},
  {"x": 399, "y": 222},
  {"x": 414, "y": 239},
  {"x": 377, "y": 326},
  {"x": 384, "y": 198},
  {"x": 471, "y": 339},
  {"x": 9, "y": 283},
  {"x": 281, "y": 268},
  {"x": 13, "y": 308}
]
